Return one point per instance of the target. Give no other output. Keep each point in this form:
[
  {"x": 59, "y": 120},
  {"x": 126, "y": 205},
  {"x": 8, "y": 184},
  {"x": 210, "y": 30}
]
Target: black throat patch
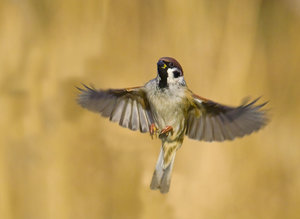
[
  {"x": 163, "y": 83},
  {"x": 163, "y": 79}
]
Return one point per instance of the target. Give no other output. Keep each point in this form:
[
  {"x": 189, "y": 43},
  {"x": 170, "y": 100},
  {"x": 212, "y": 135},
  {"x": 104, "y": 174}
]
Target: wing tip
[{"x": 86, "y": 93}]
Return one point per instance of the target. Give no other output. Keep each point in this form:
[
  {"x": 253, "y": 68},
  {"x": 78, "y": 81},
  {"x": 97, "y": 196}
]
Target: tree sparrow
[{"x": 166, "y": 107}]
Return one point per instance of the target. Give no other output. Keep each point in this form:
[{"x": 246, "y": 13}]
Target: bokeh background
[{"x": 60, "y": 161}]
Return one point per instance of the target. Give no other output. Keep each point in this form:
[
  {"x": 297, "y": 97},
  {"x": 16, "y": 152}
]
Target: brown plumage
[{"x": 166, "y": 107}]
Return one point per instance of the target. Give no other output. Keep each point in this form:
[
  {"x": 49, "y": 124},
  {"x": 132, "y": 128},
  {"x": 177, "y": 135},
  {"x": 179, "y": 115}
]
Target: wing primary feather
[
  {"x": 87, "y": 87},
  {"x": 144, "y": 126},
  {"x": 217, "y": 132},
  {"x": 251, "y": 103},
  {"x": 149, "y": 117},
  {"x": 208, "y": 129},
  {"x": 188, "y": 125},
  {"x": 123, "y": 113},
  {"x": 248, "y": 124},
  {"x": 80, "y": 89},
  {"x": 225, "y": 127},
  {"x": 118, "y": 110},
  {"x": 106, "y": 112},
  {"x": 234, "y": 129},
  {"x": 126, "y": 114},
  {"x": 193, "y": 127},
  {"x": 226, "y": 135},
  {"x": 200, "y": 128},
  {"x": 134, "y": 124}
]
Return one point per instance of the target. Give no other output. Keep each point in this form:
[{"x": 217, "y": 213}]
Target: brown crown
[{"x": 174, "y": 61}]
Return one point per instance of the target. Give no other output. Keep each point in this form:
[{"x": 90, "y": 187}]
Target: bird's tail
[{"x": 162, "y": 174}]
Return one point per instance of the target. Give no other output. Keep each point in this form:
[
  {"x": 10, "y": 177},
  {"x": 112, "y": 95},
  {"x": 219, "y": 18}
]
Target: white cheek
[{"x": 171, "y": 79}]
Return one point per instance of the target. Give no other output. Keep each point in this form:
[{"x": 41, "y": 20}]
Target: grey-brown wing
[
  {"x": 210, "y": 121},
  {"x": 129, "y": 107}
]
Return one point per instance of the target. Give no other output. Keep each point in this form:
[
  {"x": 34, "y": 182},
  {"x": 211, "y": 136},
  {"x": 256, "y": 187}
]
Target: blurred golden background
[{"x": 60, "y": 161}]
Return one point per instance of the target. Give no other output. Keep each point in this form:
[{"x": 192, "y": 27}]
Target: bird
[{"x": 166, "y": 108}]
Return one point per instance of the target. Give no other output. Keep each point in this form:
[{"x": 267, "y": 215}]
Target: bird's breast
[{"x": 168, "y": 109}]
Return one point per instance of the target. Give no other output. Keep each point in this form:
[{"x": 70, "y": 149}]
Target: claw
[
  {"x": 153, "y": 130},
  {"x": 166, "y": 131}
]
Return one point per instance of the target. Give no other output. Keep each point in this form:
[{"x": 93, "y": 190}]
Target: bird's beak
[{"x": 161, "y": 64}]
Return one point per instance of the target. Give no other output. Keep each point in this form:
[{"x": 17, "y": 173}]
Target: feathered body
[
  {"x": 165, "y": 106},
  {"x": 168, "y": 110}
]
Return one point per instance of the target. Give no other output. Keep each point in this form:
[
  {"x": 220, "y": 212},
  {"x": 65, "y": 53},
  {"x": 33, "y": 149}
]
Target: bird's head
[{"x": 169, "y": 72}]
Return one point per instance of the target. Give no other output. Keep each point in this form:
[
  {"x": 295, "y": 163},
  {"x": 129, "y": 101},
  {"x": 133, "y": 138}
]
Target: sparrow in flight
[{"x": 167, "y": 108}]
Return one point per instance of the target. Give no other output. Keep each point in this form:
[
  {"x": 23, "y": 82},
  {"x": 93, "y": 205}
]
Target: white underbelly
[
  {"x": 167, "y": 105},
  {"x": 168, "y": 114}
]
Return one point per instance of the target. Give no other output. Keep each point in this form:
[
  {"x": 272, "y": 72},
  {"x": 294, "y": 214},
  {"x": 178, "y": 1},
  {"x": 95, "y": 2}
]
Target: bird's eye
[
  {"x": 171, "y": 65},
  {"x": 176, "y": 74}
]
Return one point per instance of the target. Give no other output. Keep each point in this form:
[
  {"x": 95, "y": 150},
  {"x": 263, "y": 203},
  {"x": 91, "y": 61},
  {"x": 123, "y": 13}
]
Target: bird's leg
[
  {"x": 153, "y": 130},
  {"x": 165, "y": 132}
]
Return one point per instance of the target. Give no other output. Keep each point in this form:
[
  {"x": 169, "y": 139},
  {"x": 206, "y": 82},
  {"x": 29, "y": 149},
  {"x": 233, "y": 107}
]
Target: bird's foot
[
  {"x": 153, "y": 130},
  {"x": 166, "y": 131}
]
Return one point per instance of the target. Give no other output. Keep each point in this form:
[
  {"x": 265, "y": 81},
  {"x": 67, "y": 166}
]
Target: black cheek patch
[{"x": 176, "y": 74}]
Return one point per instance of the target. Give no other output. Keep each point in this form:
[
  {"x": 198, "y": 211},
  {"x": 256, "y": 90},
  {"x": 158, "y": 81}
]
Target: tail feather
[
  {"x": 158, "y": 172},
  {"x": 162, "y": 176},
  {"x": 166, "y": 179}
]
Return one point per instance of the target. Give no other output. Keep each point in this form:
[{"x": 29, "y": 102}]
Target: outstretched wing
[
  {"x": 211, "y": 121},
  {"x": 129, "y": 107}
]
